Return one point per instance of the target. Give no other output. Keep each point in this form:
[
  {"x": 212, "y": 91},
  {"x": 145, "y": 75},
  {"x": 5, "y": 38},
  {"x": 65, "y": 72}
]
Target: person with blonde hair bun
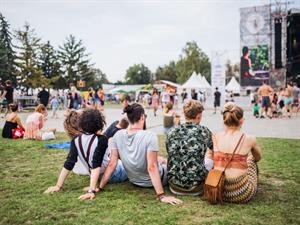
[
  {"x": 241, "y": 174},
  {"x": 186, "y": 147}
]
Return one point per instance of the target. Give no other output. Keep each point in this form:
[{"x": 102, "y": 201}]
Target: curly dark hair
[{"x": 91, "y": 121}]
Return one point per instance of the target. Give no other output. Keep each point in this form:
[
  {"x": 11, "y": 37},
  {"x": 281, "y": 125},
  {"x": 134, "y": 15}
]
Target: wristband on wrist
[
  {"x": 160, "y": 196},
  {"x": 90, "y": 191}
]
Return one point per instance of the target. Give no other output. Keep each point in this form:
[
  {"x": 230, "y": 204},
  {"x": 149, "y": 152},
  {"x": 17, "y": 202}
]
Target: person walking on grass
[{"x": 137, "y": 148}]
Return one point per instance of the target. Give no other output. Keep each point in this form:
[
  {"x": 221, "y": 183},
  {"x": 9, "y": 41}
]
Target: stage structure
[
  {"x": 270, "y": 44},
  {"x": 218, "y": 72},
  {"x": 255, "y": 37}
]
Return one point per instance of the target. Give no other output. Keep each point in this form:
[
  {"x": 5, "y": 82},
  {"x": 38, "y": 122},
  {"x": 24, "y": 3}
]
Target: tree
[
  {"x": 7, "y": 54},
  {"x": 193, "y": 59},
  {"x": 138, "y": 74},
  {"x": 232, "y": 70},
  {"x": 75, "y": 63},
  {"x": 167, "y": 72},
  {"x": 49, "y": 64},
  {"x": 101, "y": 78},
  {"x": 29, "y": 75}
]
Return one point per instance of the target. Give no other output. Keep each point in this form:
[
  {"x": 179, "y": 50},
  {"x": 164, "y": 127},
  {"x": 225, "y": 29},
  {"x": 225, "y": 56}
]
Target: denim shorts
[{"x": 119, "y": 175}]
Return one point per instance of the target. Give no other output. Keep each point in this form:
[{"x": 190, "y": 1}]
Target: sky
[{"x": 119, "y": 34}]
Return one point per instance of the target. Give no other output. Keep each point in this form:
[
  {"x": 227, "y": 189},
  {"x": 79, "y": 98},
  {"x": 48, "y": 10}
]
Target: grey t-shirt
[{"x": 132, "y": 151}]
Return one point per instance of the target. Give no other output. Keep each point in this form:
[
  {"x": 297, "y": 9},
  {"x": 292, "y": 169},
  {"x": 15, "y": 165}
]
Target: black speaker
[
  {"x": 278, "y": 46},
  {"x": 293, "y": 45}
]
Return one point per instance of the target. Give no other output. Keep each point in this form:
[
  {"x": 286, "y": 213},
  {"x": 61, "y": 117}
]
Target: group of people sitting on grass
[
  {"x": 33, "y": 127},
  {"x": 127, "y": 150}
]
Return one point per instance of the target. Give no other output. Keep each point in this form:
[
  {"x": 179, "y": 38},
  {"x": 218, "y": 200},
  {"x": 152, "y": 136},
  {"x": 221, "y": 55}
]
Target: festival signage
[
  {"x": 218, "y": 72},
  {"x": 255, "y": 37}
]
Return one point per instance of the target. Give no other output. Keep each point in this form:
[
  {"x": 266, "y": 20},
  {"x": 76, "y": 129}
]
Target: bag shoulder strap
[
  {"x": 87, "y": 156},
  {"x": 236, "y": 147}
]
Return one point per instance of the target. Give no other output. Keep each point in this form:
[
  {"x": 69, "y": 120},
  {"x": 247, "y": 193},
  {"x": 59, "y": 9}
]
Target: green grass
[{"x": 27, "y": 169}]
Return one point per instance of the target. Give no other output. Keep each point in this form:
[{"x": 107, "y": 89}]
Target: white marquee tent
[
  {"x": 233, "y": 86},
  {"x": 194, "y": 82}
]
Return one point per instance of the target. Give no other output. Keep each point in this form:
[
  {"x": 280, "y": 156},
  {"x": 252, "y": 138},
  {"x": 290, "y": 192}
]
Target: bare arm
[
  {"x": 154, "y": 172},
  {"x": 95, "y": 173},
  {"x": 110, "y": 168},
  {"x": 19, "y": 122},
  {"x": 60, "y": 182},
  {"x": 156, "y": 181},
  {"x": 256, "y": 150},
  {"x": 4, "y": 94}
]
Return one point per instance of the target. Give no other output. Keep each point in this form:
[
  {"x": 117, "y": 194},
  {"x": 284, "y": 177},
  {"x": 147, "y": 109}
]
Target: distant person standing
[
  {"x": 184, "y": 95},
  {"x": 165, "y": 98},
  {"x": 43, "y": 96},
  {"x": 217, "y": 100},
  {"x": 55, "y": 102},
  {"x": 288, "y": 99},
  {"x": 296, "y": 96},
  {"x": 8, "y": 94},
  {"x": 194, "y": 94},
  {"x": 155, "y": 101},
  {"x": 264, "y": 92}
]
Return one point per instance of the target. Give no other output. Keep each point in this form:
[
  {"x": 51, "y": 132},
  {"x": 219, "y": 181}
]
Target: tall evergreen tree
[
  {"x": 75, "y": 63},
  {"x": 28, "y": 46},
  {"x": 49, "y": 64},
  {"x": 7, "y": 54}
]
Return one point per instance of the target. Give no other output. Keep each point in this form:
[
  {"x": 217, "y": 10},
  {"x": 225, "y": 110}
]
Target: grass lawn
[{"x": 27, "y": 169}]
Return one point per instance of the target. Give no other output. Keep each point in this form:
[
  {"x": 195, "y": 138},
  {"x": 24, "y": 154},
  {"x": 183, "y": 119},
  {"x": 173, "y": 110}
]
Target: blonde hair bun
[{"x": 232, "y": 114}]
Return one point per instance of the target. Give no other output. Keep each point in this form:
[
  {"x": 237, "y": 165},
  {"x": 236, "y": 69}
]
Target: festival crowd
[{"x": 221, "y": 166}]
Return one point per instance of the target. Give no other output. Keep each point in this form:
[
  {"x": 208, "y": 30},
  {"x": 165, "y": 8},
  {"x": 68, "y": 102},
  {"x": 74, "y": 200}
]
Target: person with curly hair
[{"x": 89, "y": 153}]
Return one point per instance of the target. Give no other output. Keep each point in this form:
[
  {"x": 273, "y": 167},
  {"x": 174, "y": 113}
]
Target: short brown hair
[
  {"x": 232, "y": 115},
  {"x": 124, "y": 123},
  {"x": 40, "y": 108},
  {"x": 192, "y": 108}
]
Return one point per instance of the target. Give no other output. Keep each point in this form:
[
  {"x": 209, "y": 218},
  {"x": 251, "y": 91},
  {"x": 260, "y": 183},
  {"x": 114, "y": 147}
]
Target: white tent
[
  {"x": 233, "y": 86},
  {"x": 194, "y": 82},
  {"x": 204, "y": 82}
]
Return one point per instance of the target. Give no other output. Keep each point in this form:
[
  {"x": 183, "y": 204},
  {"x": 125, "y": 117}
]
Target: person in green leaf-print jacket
[{"x": 186, "y": 147}]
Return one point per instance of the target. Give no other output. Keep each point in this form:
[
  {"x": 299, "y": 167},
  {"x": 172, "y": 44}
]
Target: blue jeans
[{"x": 119, "y": 175}]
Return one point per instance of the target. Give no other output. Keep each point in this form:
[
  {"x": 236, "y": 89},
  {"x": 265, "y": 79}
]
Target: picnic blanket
[{"x": 64, "y": 145}]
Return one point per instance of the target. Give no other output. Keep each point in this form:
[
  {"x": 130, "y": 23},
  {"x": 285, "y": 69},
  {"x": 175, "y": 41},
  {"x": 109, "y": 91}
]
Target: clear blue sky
[{"x": 119, "y": 34}]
